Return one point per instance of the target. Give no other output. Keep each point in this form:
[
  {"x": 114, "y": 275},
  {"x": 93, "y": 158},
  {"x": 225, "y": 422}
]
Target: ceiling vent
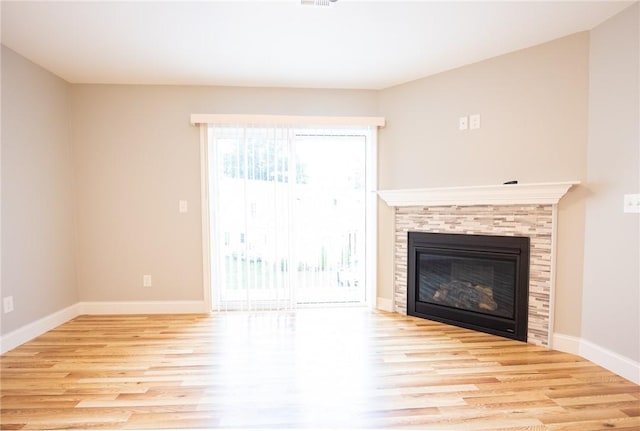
[{"x": 317, "y": 2}]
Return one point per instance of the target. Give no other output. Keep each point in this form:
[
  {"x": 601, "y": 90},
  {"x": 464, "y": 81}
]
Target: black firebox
[{"x": 478, "y": 282}]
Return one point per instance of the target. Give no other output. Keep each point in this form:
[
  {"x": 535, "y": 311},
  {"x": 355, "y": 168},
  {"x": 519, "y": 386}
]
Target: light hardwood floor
[{"x": 345, "y": 368}]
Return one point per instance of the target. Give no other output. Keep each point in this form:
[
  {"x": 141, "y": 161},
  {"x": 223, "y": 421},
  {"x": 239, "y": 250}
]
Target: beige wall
[
  {"x": 37, "y": 193},
  {"x": 611, "y": 298},
  {"x": 533, "y": 105},
  {"x": 136, "y": 157}
]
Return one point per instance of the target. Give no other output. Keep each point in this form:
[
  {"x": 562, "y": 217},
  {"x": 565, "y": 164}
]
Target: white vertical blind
[{"x": 287, "y": 212}]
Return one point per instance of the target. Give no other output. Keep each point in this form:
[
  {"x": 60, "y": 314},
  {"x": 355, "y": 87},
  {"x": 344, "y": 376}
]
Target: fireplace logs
[{"x": 462, "y": 294}]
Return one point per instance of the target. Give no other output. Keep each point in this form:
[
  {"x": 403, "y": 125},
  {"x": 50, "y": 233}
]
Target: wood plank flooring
[{"x": 338, "y": 368}]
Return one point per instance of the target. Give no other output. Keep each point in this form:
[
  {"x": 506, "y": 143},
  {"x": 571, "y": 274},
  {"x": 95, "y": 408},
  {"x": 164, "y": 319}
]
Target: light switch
[
  {"x": 632, "y": 203},
  {"x": 183, "y": 207},
  {"x": 462, "y": 123},
  {"x": 474, "y": 121},
  {"x": 7, "y": 303}
]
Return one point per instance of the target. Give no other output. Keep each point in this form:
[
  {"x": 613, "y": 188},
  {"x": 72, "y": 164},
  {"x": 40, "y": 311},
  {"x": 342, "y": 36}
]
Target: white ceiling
[{"x": 350, "y": 44}]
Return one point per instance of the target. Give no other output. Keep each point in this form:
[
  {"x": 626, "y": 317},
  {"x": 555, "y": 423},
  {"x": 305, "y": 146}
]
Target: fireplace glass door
[
  {"x": 479, "y": 282},
  {"x": 484, "y": 283}
]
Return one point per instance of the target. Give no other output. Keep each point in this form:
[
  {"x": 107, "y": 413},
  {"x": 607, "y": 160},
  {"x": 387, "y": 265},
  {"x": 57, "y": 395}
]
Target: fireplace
[{"x": 479, "y": 282}]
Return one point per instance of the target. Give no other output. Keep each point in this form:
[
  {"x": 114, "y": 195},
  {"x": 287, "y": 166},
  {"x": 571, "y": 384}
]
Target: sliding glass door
[{"x": 288, "y": 216}]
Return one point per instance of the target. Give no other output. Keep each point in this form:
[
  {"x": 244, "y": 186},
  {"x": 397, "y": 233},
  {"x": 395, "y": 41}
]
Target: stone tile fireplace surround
[{"x": 510, "y": 210}]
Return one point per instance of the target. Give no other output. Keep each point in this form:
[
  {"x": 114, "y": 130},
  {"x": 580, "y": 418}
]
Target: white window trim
[
  {"x": 204, "y": 201},
  {"x": 293, "y": 120}
]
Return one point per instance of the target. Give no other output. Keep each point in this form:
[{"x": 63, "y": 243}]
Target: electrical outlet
[
  {"x": 183, "y": 207},
  {"x": 474, "y": 121},
  {"x": 7, "y": 304},
  {"x": 463, "y": 123},
  {"x": 146, "y": 281}
]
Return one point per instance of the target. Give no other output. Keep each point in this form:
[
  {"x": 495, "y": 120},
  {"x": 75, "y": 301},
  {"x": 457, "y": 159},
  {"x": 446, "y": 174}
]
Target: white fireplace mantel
[{"x": 503, "y": 194}]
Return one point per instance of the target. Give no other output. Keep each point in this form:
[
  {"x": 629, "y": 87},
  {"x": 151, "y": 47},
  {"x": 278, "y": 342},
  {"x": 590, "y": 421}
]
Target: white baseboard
[
  {"x": 34, "y": 329},
  {"x": 566, "y": 343},
  {"x": 143, "y": 307},
  {"x": 384, "y": 304},
  {"x": 614, "y": 362},
  {"x": 621, "y": 365}
]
